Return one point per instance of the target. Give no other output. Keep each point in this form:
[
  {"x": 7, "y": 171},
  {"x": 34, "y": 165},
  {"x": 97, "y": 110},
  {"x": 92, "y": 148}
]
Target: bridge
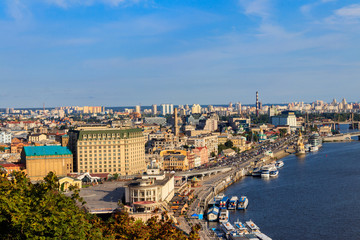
[
  {"x": 342, "y": 137},
  {"x": 202, "y": 173}
]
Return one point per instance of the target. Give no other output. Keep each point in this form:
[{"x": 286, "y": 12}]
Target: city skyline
[{"x": 126, "y": 53}]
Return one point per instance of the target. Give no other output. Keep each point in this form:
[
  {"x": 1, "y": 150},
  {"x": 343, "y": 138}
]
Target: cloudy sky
[{"x": 128, "y": 52}]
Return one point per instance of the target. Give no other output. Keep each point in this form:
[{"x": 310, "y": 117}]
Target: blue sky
[{"x": 128, "y": 52}]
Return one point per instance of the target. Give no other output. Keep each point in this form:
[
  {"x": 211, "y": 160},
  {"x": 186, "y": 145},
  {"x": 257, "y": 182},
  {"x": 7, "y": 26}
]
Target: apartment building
[{"x": 108, "y": 150}]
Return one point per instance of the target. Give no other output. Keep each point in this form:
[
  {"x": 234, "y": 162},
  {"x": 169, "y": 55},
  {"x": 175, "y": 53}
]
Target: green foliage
[
  {"x": 40, "y": 211},
  {"x": 229, "y": 144}
]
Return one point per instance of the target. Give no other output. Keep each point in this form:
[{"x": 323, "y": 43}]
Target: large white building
[
  {"x": 5, "y": 137},
  {"x": 287, "y": 119},
  {"x": 167, "y": 109}
]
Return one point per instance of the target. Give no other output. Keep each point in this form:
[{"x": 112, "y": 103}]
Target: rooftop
[{"x": 46, "y": 150}]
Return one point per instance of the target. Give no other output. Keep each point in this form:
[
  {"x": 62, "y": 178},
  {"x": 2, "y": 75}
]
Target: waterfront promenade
[{"x": 213, "y": 184}]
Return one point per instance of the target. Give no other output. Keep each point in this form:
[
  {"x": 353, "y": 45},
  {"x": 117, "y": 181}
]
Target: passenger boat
[
  {"x": 241, "y": 227},
  {"x": 279, "y": 164},
  {"x": 274, "y": 173},
  {"x": 314, "y": 149},
  {"x": 227, "y": 228},
  {"x": 256, "y": 172},
  {"x": 307, "y": 147},
  {"x": 224, "y": 202},
  {"x": 213, "y": 214},
  {"x": 252, "y": 225},
  {"x": 242, "y": 203},
  {"x": 233, "y": 203},
  {"x": 315, "y": 140},
  {"x": 224, "y": 215},
  {"x": 265, "y": 173}
]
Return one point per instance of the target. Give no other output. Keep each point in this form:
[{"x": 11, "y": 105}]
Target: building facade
[
  {"x": 40, "y": 160},
  {"x": 5, "y": 137},
  {"x": 108, "y": 150}
]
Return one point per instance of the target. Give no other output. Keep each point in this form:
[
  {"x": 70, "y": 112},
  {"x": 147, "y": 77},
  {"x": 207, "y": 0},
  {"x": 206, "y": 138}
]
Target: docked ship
[
  {"x": 242, "y": 203},
  {"x": 227, "y": 228},
  {"x": 242, "y": 229},
  {"x": 213, "y": 214},
  {"x": 274, "y": 173},
  {"x": 315, "y": 140},
  {"x": 256, "y": 172},
  {"x": 252, "y": 226},
  {"x": 233, "y": 203},
  {"x": 224, "y": 202},
  {"x": 279, "y": 164},
  {"x": 224, "y": 215}
]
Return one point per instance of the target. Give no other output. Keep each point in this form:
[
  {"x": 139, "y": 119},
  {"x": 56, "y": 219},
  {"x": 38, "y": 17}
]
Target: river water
[{"x": 314, "y": 197}]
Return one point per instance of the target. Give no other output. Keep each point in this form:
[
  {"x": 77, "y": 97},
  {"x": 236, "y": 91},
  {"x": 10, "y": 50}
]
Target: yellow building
[
  {"x": 175, "y": 160},
  {"x": 108, "y": 150},
  {"x": 65, "y": 182},
  {"x": 40, "y": 160}
]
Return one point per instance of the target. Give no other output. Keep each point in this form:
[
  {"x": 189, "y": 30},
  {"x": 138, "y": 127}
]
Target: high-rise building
[
  {"x": 108, "y": 150},
  {"x": 138, "y": 109},
  {"x": 176, "y": 126},
  {"x": 257, "y": 103},
  {"x": 196, "y": 108},
  {"x": 167, "y": 109},
  {"x": 154, "y": 109}
]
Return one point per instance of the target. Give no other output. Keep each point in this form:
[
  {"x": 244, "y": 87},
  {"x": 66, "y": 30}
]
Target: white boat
[
  {"x": 307, "y": 147},
  {"x": 274, "y": 173},
  {"x": 252, "y": 225},
  {"x": 256, "y": 172},
  {"x": 242, "y": 229},
  {"x": 224, "y": 215},
  {"x": 265, "y": 173},
  {"x": 213, "y": 214},
  {"x": 279, "y": 164},
  {"x": 227, "y": 228},
  {"x": 233, "y": 203},
  {"x": 243, "y": 203},
  {"x": 314, "y": 149}
]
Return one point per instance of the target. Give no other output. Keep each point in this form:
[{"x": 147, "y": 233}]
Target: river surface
[{"x": 314, "y": 197}]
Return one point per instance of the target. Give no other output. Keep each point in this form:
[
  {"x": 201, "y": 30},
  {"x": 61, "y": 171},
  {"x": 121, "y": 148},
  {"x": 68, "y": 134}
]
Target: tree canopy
[{"x": 41, "y": 211}]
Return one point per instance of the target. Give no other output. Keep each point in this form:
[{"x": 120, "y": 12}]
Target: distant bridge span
[{"x": 342, "y": 137}]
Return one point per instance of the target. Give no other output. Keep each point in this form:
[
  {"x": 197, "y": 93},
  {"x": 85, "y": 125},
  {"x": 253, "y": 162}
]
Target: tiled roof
[{"x": 46, "y": 150}]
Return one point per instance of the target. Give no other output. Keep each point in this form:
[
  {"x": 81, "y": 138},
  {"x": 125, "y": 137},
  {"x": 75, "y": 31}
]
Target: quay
[{"x": 211, "y": 185}]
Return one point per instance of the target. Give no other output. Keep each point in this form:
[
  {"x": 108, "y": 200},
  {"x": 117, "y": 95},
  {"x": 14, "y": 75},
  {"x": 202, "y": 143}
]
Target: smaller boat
[
  {"x": 307, "y": 147},
  {"x": 243, "y": 203},
  {"x": 227, "y": 228},
  {"x": 256, "y": 172},
  {"x": 265, "y": 173},
  {"x": 233, "y": 203},
  {"x": 274, "y": 173},
  {"x": 314, "y": 149},
  {"x": 224, "y": 215},
  {"x": 252, "y": 225},
  {"x": 279, "y": 164},
  {"x": 224, "y": 202},
  {"x": 241, "y": 227},
  {"x": 213, "y": 214}
]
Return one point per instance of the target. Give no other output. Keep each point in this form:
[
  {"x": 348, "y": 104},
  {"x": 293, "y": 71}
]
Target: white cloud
[
  {"x": 70, "y": 3},
  {"x": 17, "y": 10},
  {"x": 352, "y": 11},
  {"x": 260, "y": 8}
]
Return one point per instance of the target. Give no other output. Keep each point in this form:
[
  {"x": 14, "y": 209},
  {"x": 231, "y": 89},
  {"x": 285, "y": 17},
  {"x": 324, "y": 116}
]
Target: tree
[
  {"x": 229, "y": 144},
  {"x": 40, "y": 211}
]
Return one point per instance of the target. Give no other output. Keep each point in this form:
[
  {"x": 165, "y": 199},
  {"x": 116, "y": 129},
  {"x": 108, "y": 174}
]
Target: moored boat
[
  {"x": 224, "y": 215},
  {"x": 256, "y": 172},
  {"x": 252, "y": 225},
  {"x": 224, "y": 202},
  {"x": 227, "y": 227},
  {"x": 242, "y": 203},
  {"x": 233, "y": 203},
  {"x": 274, "y": 173},
  {"x": 314, "y": 149},
  {"x": 213, "y": 214},
  {"x": 279, "y": 164}
]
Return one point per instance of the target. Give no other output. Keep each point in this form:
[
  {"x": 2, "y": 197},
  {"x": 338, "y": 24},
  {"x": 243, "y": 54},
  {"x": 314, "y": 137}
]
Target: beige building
[
  {"x": 108, "y": 150},
  {"x": 210, "y": 141},
  {"x": 37, "y": 137},
  {"x": 40, "y": 160},
  {"x": 175, "y": 160}
]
